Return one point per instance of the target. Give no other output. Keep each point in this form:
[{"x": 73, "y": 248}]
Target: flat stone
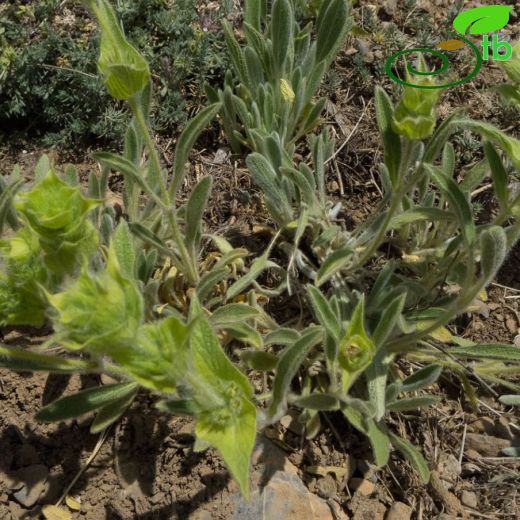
[
  {"x": 486, "y": 445},
  {"x": 34, "y": 479},
  {"x": 279, "y": 493},
  {"x": 448, "y": 467},
  {"x": 368, "y": 508},
  {"x": 399, "y": 511},
  {"x": 285, "y": 496},
  {"x": 468, "y": 498},
  {"x": 327, "y": 487},
  {"x": 362, "y": 486}
]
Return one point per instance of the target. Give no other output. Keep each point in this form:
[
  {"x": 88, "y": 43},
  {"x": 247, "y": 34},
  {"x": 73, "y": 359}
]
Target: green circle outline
[{"x": 445, "y": 65}]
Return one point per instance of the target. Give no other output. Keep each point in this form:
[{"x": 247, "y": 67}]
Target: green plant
[
  {"x": 511, "y": 90},
  {"x": 48, "y": 82},
  {"x": 145, "y": 302}
]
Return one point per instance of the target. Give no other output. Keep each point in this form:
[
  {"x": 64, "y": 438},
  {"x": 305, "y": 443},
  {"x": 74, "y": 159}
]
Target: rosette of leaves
[
  {"x": 57, "y": 214},
  {"x": 268, "y": 103}
]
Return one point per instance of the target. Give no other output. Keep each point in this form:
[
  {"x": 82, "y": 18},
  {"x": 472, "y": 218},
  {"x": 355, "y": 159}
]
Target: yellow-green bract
[
  {"x": 125, "y": 71},
  {"x": 99, "y": 312},
  {"x": 57, "y": 214}
]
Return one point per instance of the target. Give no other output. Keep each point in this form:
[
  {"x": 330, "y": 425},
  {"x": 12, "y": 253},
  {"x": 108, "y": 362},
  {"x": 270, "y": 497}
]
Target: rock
[
  {"x": 512, "y": 326},
  {"x": 486, "y": 445},
  {"x": 399, "y": 511},
  {"x": 369, "y": 57},
  {"x": 468, "y": 498},
  {"x": 327, "y": 487},
  {"x": 388, "y": 9},
  {"x": 157, "y": 498},
  {"x": 448, "y": 467},
  {"x": 469, "y": 469},
  {"x": 201, "y": 515},
  {"x": 34, "y": 479},
  {"x": 290, "y": 422},
  {"x": 280, "y": 493},
  {"x": 362, "y": 486},
  {"x": 285, "y": 496},
  {"x": 368, "y": 508}
]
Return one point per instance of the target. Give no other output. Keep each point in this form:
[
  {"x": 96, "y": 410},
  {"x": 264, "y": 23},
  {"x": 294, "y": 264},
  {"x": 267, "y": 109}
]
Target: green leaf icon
[{"x": 485, "y": 19}]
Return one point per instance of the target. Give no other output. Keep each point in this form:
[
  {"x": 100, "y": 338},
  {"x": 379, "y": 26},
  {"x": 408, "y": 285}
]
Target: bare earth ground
[{"x": 145, "y": 467}]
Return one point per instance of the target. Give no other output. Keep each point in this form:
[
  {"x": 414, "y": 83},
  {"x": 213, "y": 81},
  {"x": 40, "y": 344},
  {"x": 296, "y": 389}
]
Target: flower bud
[{"x": 126, "y": 72}]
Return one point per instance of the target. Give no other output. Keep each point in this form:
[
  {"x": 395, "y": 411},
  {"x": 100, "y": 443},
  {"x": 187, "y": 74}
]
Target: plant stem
[
  {"x": 394, "y": 206},
  {"x": 168, "y": 207}
]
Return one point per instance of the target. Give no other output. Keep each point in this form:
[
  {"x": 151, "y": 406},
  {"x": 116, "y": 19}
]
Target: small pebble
[
  {"x": 468, "y": 498},
  {"x": 362, "y": 486},
  {"x": 399, "y": 511}
]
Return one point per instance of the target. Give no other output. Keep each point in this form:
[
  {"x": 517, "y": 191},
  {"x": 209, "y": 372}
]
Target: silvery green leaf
[
  {"x": 376, "y": 375},
  {"x": 188, "y": 407},
  {"x": 288, "y": 365},
  {"x": 195, "y": 211},
  {"x": 209, "y": 281},
  {"x": 379, "y": 441},
  {"x": 475, "y": 176},
  {"x": 84, "y": 402},
  {"x": 149, "y": 237},
  {"x": 254, "y": 67},
  {"x": 422, "y": 378},
  {"x": 257, "y": 42},
  {"x": 282, "y": 336},
  {"x": 318, "y": 401},
  {"x": 513, "y": 451},
  {"x": 7, "y": 192},
  {"x": 186, "y": 141},
  {"x": 324, "y": 312},
  {"x": 510, "y": 400},
  {"x": 71, "y": 176},
  {"x": 448, "y": 159},
  {"x": 257, "y": 267},
  {"x": 458, "y": 202},
  {"x": 413, "y": 455},
  {"x": 265, "y": 176},
  {"x": 232, "y": 313},
  {"x": 111, "y": 412},
  {"x": 243, "y": 332},
  {"x": 499, "y": 175},
  {"x": 282, "y": 27},
  {"x": 333, "y": 264},
  {"x": 509, "y": 144},
  {"x": 332, "y": 25},
  {"x": 128, "y": 169},
  {"x": 235, "y": 53},
  {"x": 496, "y": 351},
  {"x": 392, "y": 141},
  {"x": 313, "y": 81},
  {"x": 42, "y": 167},
  {"x": 26, "y": 361},
  {"x": 421, "y": 214},
  {"x": 412, "y": 403},
  {"x": 493, "y": 250},
  {"x": 124, "y": 248},
  {"x": 258, "y": 360},
  {"x": 389, "y": 319},
  {"x": 254, "y": 10}
]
